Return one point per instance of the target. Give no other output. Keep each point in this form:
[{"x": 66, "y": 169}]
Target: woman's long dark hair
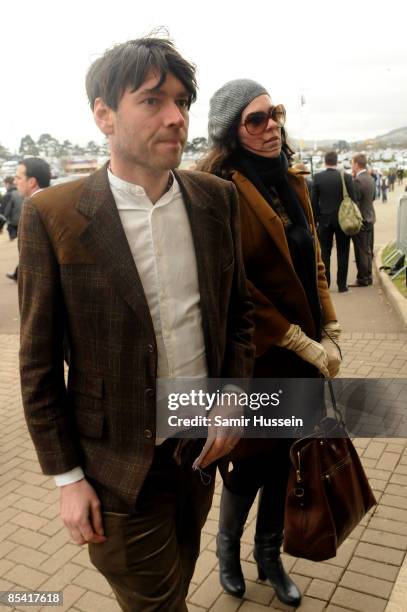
[{"x": 220, "y": 158}]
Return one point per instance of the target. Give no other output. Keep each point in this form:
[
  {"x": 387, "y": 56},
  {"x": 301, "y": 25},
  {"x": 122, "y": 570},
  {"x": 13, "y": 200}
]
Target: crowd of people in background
[{"x": 365, "y": 184}]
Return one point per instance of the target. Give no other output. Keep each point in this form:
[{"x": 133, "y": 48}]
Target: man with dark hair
[
  {"x": 327, "y": 195},
  {"x": 363, "y": 242},
  {"x": 33, "y": 174},
  {"x": 140, "y": 265}
]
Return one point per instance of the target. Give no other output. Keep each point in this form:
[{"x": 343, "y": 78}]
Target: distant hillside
[{"x": 394, "y": 138}]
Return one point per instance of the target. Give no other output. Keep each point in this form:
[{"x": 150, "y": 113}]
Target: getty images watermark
[
  {"x": 279, "y": 408},
  {"x": 231, "y": 406}
]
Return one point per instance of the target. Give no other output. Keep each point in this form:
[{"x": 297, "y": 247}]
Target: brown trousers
[{"x": 149, "y": 556}]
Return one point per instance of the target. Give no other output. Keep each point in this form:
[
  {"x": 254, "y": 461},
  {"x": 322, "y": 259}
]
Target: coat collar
[{"x": 265, "y": 214}]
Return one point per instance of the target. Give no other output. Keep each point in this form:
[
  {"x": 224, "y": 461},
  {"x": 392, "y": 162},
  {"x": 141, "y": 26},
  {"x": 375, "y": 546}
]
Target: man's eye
[
  {"x": 151, "y": 101},
  {"x": 183, "y": 103}
]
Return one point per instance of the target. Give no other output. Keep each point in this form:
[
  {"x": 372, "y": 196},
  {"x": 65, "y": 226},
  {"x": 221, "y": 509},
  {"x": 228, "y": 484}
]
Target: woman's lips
[{"x": 274, "y": 140}]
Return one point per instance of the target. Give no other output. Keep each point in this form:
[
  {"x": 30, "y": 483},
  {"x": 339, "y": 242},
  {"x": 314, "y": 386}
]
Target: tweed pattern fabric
[{"x": 79, "y": 289}]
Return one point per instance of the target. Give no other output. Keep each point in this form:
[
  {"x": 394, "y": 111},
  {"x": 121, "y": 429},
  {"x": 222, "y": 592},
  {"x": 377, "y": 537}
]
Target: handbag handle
[
  {"x": 345, "y": 191},
  {"x": 337, "y": 412}
]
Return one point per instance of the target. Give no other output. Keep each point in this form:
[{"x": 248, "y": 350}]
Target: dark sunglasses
[{"x": 256, "y": 123}]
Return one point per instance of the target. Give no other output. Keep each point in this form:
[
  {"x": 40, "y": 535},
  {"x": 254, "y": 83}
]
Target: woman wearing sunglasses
[{"x": 293, "y": 310}]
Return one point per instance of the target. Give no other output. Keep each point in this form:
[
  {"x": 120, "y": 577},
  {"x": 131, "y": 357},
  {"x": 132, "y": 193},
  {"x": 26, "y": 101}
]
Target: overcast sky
[{"x": 348, "y": 60}]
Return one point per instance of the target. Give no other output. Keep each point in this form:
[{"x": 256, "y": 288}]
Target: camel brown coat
[{"x": 278, "y": 295}]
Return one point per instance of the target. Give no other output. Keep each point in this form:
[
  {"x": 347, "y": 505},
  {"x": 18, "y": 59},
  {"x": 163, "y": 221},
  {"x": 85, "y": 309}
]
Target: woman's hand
[
  {"x": 306, "y": 348},
  {"x": 330, "y": 339}
]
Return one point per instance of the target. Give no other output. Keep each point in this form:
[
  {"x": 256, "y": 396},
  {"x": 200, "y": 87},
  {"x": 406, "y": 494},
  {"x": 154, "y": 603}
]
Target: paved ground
[{"x": 35, "y": 552}]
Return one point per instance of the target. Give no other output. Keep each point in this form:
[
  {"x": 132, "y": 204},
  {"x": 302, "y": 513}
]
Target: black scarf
[{"x": 267, "y": 175}]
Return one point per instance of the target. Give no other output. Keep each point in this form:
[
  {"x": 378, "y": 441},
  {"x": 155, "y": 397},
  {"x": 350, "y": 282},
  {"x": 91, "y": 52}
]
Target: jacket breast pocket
[{"x": 86, "y": 395}]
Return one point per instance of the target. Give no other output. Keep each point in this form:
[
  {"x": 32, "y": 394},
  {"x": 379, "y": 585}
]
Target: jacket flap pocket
[{"x": 86, "y": 384}]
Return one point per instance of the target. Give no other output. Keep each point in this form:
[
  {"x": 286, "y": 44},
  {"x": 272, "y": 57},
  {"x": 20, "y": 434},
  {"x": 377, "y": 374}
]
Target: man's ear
[
  {"x": 103, "y": 116},
  {"x": 33, "y": 183}
]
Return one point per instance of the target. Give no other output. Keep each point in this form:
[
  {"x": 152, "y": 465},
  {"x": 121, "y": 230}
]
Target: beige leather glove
[
  {"x": 330, "y": 339},
  {"x": 309, "y": 350}
]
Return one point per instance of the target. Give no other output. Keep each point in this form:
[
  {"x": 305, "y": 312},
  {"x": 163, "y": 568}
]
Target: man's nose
[{"x": 174, "y": 115}]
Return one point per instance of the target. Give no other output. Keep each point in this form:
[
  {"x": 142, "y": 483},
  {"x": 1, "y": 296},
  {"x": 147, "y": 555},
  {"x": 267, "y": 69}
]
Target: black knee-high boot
[
  {"x": 232, "y": 517},
  {"x": 268, "y": 540}
]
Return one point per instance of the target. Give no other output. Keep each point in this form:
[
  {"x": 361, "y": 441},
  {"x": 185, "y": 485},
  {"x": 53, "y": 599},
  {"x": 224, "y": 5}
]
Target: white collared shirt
[{"x": 160, "y": 240}]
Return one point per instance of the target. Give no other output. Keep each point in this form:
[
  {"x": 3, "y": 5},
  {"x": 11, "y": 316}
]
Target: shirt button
[
  {"x": 149, "y": 392},
  {"x": 148, "y": 433},
  {"x": 150, "y": 348}
]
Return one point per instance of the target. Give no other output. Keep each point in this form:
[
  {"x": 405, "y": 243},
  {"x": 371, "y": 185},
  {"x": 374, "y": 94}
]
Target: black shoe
[
  {"x": 270, "y": 567},
  {"x": 233, "y": 514},
  {"x": 342, "y": 289},
  {"x": 12, "y": 276},
  {"x": 360, "y": 284}
]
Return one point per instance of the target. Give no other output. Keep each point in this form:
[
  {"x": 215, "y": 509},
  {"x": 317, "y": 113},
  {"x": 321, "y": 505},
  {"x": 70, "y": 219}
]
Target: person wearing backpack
[{"x": 327, "y": 195}]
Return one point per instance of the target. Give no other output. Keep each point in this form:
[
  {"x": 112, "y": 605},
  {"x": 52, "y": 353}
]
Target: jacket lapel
[
  {"x": 104, "y": 237},
  {"x": 264, "y": 212},
  {"x": 207, "y": 231}
]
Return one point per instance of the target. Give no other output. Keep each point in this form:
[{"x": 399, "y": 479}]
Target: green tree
[
  {"x": 92, "y": 148},
  {"x": 341, "y": 145},
  {"x": 197, "y": 145},
  {"x": 48, "y": 145},
  {"x": 44, "y": 139},
  {"x": 28, "y": 146},
  {"x": 5, "y": 153}
]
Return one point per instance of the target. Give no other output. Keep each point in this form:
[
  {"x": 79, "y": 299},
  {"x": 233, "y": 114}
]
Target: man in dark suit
[
  {"x": 327, "y": 195},
  {"x": 363, "y": 242},
  {"x": 33, "y": 174},
  {"x": 10, "y": 208},
  {"x": 140, "y": 267}
]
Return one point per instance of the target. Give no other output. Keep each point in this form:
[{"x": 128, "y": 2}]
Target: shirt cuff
[{"x": 69, "y": 477}]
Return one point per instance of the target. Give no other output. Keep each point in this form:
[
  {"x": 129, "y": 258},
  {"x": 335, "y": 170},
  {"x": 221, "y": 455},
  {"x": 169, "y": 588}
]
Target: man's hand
[
  {"x": 214, "y": 449},
  {"x": 221, "y": 439},
  {"x": 81, "y": 514}
]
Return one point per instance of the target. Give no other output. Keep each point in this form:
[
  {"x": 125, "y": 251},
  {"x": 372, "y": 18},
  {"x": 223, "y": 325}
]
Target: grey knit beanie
[{"x": 227, "y": 103}]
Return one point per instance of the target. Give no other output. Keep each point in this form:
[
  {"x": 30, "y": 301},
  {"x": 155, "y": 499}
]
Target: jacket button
[
  {"x": 148, "y": 433},
  {"x": 150, "y": 348},
  {"x": 149, "y": 392}
]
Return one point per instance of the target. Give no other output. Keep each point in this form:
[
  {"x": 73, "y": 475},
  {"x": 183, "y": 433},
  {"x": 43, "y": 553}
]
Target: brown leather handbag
[{"x": 328, "y": 492}]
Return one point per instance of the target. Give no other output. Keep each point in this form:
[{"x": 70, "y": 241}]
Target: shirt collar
[
  {"x": 136, "y": 195},
  {"x": 361, "y": 172}
]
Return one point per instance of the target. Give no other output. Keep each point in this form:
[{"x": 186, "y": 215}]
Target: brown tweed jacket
[
  {"x": 277, "y": 293},
  {"x": 78, "y": 280}
]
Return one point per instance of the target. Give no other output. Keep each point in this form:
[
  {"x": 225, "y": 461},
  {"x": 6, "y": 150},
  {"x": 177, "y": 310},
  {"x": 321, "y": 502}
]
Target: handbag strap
[
  {"x": 337, "y": 412},
  {"x": 345, "y": 191}
]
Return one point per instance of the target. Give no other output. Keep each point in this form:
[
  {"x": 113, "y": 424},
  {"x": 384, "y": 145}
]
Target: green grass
[{"x": 400, "y": 281}]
